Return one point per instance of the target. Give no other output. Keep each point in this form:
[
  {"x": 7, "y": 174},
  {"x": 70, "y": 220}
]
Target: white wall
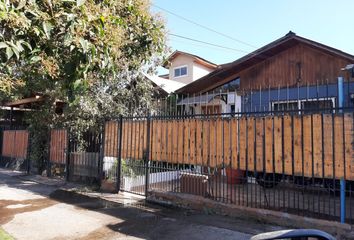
[
  {"x": 225, "y": 108},
  {"x": 200, "y": 71},
  {"x": 194, "y": 70},
  {"x": 182, "y": 60}
]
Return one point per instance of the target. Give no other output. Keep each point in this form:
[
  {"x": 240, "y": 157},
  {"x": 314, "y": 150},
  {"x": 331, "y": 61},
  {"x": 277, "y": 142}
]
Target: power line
[
  {"x": 207, "y": 43},
  {"x": 202, "y": 26},
  {"x": 202, "y": 45}
]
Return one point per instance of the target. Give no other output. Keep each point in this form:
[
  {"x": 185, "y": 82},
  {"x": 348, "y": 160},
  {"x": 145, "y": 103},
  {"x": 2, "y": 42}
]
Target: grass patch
[{"x": 4, "y": 235}]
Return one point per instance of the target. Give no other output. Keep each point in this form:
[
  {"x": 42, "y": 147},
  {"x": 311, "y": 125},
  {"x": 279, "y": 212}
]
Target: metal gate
[
  {"x": 125, "y": 154},
  {"x": 76, "y": 160}
]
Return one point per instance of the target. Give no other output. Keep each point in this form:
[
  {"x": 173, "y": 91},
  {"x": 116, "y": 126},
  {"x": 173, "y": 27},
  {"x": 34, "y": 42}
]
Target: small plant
[{"x": 131, "y": 168}]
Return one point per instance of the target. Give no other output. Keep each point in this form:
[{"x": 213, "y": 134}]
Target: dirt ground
[{"x": 30, "y": 210}]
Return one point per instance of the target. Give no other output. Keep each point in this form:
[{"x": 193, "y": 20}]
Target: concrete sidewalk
[{"x": 34, "y": 207}]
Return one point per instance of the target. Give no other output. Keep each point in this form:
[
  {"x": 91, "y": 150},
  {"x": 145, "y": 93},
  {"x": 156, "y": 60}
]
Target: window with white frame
[
  {"x": 304, "y": 104},
  {"x": 180, "y": 71}
]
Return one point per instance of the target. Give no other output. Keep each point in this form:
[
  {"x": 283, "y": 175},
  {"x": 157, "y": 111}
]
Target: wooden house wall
[{"x": 282, "y": 69}]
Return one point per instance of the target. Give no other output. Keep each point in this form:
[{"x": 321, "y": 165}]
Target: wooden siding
[{"x": 283, "y": 70}]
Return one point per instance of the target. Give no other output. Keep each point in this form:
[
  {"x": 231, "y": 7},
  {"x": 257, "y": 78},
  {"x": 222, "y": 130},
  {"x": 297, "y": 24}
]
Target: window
[
  {"x": 232, "y": 108},
  {"x": 285, "y": 106},
  {"x": 180, "y": 71},
  {"x": 309, "y": 104},
  {"x": 229, "y": 86}
]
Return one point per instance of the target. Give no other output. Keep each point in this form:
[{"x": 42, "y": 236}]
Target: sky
[{"x": 251, "y": 24}]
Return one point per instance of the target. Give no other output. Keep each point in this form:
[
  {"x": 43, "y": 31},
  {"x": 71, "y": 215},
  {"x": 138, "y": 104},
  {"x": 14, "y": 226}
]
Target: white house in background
[{"x": 185, "y": 67}]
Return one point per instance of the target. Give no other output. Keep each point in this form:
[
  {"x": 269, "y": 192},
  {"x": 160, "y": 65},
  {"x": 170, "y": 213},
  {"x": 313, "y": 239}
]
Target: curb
[{"x": 339, "y": 230}]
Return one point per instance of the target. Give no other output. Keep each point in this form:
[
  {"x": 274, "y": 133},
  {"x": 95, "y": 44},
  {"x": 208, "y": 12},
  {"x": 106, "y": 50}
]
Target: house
[
  {"x": 291, "y": 72},
  {"x": 183, "y": 68},
  {"x": 13, "y": 112},
  {"x": 186, "y": 68}
]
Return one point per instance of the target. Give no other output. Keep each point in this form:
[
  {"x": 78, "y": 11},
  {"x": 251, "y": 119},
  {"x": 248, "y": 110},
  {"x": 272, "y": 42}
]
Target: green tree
[{"x": 86, "y": 53}]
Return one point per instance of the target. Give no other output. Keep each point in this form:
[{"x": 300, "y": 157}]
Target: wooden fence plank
[
  {"x": 159, "y": 132},
  {"x": 206, "y": 142},
  {"x": 269, "y": 144},
  {"x": 192, "y": 141},
  {"x": 278, "y": 158},
  {"x": 297, "y": 146},
  {"x": 219, "y": 142},
  {"x": 307, "y": 146},
  {"x": 328, "y": 145},
  {"x": 199, "y": 141},
  {"x": 242, "y": 139},
  {"x": 175, "y": 136},
  {"x": 317, "y": 145},
  {"x": 287, "y": 145},
  {"x": 227, "y": 142},
  {"x": 338, "y": 140},
  {"x": 212, "y": 143},
  {"x": 234, "y": 143},
  {"x": 259, "y": 144},
  {"x": 349, "y": 153},
  {"x": 186, "y": 141},
  {"x": 169, "y": 141},
  {"x": 251, "y": 143},
  {"x": 180, "y": 142}
]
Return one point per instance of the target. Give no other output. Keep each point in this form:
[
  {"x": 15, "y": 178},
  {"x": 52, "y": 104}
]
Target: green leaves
[
  {"x": 14, "y": 48},
  {"x": 47, "y": 28},
  {"x": 84, "y": 44},
  {"x": 83, "y": 52},
  {"x": 3, "y": 45},
  {"x": 9, "y": 53},
  {"x": 80, "y": 2}
]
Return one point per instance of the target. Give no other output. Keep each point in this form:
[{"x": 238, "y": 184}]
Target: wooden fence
[
  {"x": 312, "y": 145},
  {"x": 15, "y": 143},
  {"x": 58, "y": 145}
]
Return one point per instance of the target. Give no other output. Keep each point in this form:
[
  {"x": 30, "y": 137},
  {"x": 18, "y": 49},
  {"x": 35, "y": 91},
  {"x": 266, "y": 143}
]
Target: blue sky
[{"x": 256, "y": 22}]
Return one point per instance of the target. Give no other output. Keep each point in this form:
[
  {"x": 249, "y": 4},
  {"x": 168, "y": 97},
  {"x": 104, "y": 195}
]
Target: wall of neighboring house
[
  {"x": 179, "y": 61},
  {"x": 299, "y": 64},
  {"x": 194, "y": 69},
  {"x": 229, "y": 103},
  {"x": 267, "y": 100},
  {"x": 200, "y": 71}
]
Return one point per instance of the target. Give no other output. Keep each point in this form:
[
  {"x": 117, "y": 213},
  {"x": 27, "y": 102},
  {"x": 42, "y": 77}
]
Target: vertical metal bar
[
  {"x": 312, "y": 163},
  {"x": 120, "y": 145},
  {"x": 147, "y": 157},
  {"x": 68, "y": 155},
  {"x": 102, "y": 149},
  {"x": 340, "y": 93},
  {"x": 49, "y": 167},
  {"x": 342, "y": 200},
  {"x": 292, "y": 157},
  {"x": 11, "y": 113},
  {"x": 302, "y": 160},
  {"x": 333, "y": 161},
  {"x": 28, "y": 153},
  {"x": 323, "y": 161}
]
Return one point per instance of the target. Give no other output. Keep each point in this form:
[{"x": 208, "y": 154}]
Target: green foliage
[
  {"x": 71, "y": 46},
  {"x": 86, "y": 53}
]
